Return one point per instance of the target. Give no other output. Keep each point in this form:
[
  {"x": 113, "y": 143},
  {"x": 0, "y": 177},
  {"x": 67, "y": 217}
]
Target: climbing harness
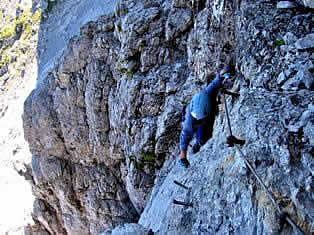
[{"x": 295, "y": 227}]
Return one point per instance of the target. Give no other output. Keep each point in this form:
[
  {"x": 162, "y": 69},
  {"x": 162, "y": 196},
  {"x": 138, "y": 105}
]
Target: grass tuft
[
  {"x": 26, "y": 20},
  {"x": 4, "y": 60},
  {"x": 279, "y": 42},
  {"x": 148, "y": 157}
]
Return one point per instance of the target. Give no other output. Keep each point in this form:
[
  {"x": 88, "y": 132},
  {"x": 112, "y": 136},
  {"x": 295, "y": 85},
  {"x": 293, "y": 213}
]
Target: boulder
[{"x": 306, "y": 42}]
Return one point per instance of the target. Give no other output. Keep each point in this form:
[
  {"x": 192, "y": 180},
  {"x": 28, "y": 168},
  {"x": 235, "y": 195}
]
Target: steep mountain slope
[
  {"x": 18, "y": 64},
  {"x": 103, "y": 125}
]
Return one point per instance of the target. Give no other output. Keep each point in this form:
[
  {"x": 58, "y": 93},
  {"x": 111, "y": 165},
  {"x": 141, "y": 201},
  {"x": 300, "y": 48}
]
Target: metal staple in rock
[
  {"x": 182, "y": 203},
  {"x": 295, "y": 227},
  {"x": 181, "y": 185}
]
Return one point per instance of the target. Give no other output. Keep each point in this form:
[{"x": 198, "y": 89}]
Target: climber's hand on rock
[{"x": 183, "y": 155}]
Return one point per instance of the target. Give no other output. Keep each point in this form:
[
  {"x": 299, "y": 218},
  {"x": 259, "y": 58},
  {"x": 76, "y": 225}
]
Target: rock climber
[{"x": 199, "y": 117}]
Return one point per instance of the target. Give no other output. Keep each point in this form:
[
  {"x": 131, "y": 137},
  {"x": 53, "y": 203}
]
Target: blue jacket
[{"x": 187, "y": 124}]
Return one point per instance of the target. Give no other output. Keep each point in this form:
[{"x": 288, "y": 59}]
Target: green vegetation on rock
[
  {"x": 119, "y": 27},
  {"x": 51, "y": 5},
  {"x": 128, "y": 72},
  {"x": 279, "y": 42},
  {"x": 148, "y": 157},
  {"x": 7, "y": 32},
  {"x": 4, "y": 60},
  {"x": 137, "y": 164},
  {"x": 26, "y": 20},
  {"x": 36, "y": 17},
  {"x": 18, "y": 35}
]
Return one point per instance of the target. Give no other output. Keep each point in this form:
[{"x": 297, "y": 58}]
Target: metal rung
[
  {"x": 181, "y": 185},
  {"x": 182, "y": 203}
]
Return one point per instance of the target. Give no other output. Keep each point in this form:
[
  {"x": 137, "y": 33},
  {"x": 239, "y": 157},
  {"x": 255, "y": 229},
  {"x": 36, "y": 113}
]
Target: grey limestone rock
[
  {"x": 182, "y": 3},
  {"x": 130, "y": 229},
  {"x": 286, "y": 5},
  {"x": 289, "y": 38},
  {"x": 103, "y": 126},
  {"x": 236, "y": 200},
  {"x": 305, "y": 42},
  {"x": 44, "y": 4},
  {"x": 88, "y": 198},
  {"x": 274, "y": 123},
  {"x": 302, "y": 79},
  {"x": 178, "y": 21},
  {"x": 307, "y": 3},
  {"x": 281, "y": 78}
]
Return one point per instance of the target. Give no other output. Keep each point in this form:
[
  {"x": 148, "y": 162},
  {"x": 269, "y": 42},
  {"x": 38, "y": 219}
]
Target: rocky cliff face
[{"x": 103, "y": 126}]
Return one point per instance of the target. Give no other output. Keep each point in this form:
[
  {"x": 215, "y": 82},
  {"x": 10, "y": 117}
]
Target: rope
[{"x": 295, "y": 227}]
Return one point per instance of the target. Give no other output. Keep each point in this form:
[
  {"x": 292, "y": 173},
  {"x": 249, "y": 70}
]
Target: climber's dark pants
[{"x": 203, "y": 129}]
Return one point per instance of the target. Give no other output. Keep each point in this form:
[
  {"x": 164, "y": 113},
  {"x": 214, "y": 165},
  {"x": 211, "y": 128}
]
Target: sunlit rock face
[{"x": 103, "y": 126}]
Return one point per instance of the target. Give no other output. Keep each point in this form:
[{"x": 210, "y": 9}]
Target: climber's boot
[{"x": 184, "y": 163}]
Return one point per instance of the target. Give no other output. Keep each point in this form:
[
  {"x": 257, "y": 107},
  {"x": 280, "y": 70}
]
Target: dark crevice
[
  {"x": 295, "y": 146},
  {"x": 201, "y": 5}
]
